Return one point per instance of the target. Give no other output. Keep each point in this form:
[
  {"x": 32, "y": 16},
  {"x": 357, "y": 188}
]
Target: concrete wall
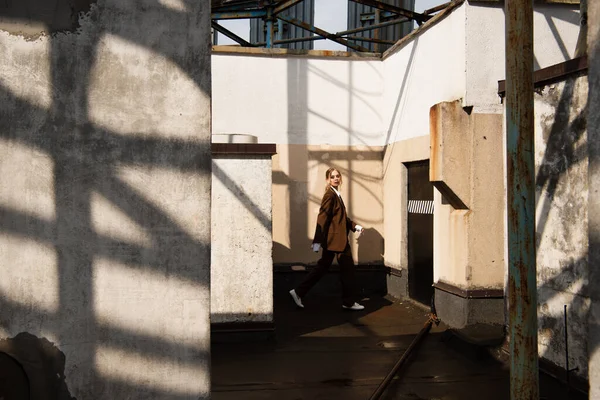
[
  {"x": 561, "y": 155},
  {"x": 105, "y": 199},
  {"x": 467, "y": 170},
  {"x": 593, "y": 130},
  {"x": 241, "y": 252}
]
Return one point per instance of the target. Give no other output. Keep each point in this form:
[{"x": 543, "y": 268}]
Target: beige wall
[
  {"x": 395, "y": 196},
  {"x": 298, "y": 185},
  {"x": 467, "y": 168}
]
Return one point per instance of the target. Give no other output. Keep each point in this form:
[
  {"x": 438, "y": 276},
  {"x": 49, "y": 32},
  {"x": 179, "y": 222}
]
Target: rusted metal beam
[
  {"x": 370, "y": 16},
  {"x": 242, "y": 6},
  {"x": 285, "y": 5},
  {"x": 238, "y": 14},
  {"x": 304, "y": 39},
  {"x": 293, "y": 40},
  {"x": 230, "y": 34},
  {"x": 553, "y": 73},
  {"x": 370, "y": 40},
  {"x": 371, "y": 27},
  {"x": 321, "y": 32},
  {"x": 436, "y": 9},
  {"x": 522, "y": 284},
  {"x": 420, "y": 18}
]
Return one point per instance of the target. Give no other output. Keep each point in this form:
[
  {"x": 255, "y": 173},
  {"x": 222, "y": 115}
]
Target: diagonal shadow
[
  {"x": 566, "y": 148},
  {"x": 84, "y": 157}
]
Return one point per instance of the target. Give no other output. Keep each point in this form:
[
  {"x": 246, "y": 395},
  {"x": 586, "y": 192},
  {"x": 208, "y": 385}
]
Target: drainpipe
[{"x": 522, "y": 286}]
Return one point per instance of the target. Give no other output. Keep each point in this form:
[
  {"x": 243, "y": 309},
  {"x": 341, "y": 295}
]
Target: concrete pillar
[
  {"x": 242, "y": 239},
  {"x": 466, "y": 169},
  {"x": 105, "y": 197}
]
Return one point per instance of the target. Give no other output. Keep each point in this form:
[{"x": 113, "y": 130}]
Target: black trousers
[{"x": 346, "y": 274}]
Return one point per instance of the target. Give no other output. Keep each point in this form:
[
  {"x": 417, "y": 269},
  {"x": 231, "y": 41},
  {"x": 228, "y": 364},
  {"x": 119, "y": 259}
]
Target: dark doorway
[{"x": 420, "y": 232}]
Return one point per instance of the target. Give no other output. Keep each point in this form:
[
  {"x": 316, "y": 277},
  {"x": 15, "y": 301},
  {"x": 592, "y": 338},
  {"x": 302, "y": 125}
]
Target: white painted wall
[
  {"x": 556, "y": 28},
  {"x": 298, "y": 100},
  {"x": 427, "y": 71}
]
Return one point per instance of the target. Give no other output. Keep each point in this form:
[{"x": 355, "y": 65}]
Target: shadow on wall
[
  {"x": 134, "y": 172},
  {"x": 370, "y": 241},
  {"x": 300, "y": 213},
  {"x": 563, "y": 280}
]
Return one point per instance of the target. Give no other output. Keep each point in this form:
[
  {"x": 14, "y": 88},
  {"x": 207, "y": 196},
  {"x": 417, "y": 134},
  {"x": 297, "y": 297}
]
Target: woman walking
[{"x": 331, "y": 234}]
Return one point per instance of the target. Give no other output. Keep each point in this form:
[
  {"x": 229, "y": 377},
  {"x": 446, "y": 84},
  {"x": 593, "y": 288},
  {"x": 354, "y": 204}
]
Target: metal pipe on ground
[{"x": 390, "y": 376}]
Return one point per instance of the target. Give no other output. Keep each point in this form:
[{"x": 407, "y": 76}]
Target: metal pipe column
[
  {"x": 270, "y": 27},
  {"x": 522, "y": 285}
]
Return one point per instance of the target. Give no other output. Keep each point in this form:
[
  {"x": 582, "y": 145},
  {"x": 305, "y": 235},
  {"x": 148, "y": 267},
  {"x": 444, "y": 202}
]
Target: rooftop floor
[{"x": 324, "y": 352}]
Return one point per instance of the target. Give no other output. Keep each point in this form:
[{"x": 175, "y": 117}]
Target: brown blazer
[{"x": 333, "y": 223}]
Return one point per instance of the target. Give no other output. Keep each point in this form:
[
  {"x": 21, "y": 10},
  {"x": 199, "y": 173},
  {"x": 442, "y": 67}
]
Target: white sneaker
[
  {"x": 354, "y": 307},
  {"x": 296, "y": 298}
]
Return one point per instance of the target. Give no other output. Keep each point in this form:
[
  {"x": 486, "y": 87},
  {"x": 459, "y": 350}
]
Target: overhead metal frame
[{"x": 271, "y": 12}]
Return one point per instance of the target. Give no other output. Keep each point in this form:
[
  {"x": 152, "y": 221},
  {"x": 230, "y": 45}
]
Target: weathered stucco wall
[
  {"x": 105, "y": 202},
  {"x": 467, "y": 170},
  {"x": 298, "y": 187},
  {"x": 466, "y": 167},
  {"x": 241, "y": 252},
  {"x": 593, "y": 130},
  {"x": 34, "y": 18},
  {"x": 561, "y": 155}
]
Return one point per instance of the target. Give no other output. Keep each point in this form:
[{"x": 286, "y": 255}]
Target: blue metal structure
[
  {"x": 360, "y": 15},
  {"x": 285, "y": 33},
  {"x": 276, "y": 18}
]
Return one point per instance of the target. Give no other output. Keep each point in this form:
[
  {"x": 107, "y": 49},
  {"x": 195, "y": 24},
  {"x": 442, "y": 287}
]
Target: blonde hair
[{"x": 328, "y": 174}]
